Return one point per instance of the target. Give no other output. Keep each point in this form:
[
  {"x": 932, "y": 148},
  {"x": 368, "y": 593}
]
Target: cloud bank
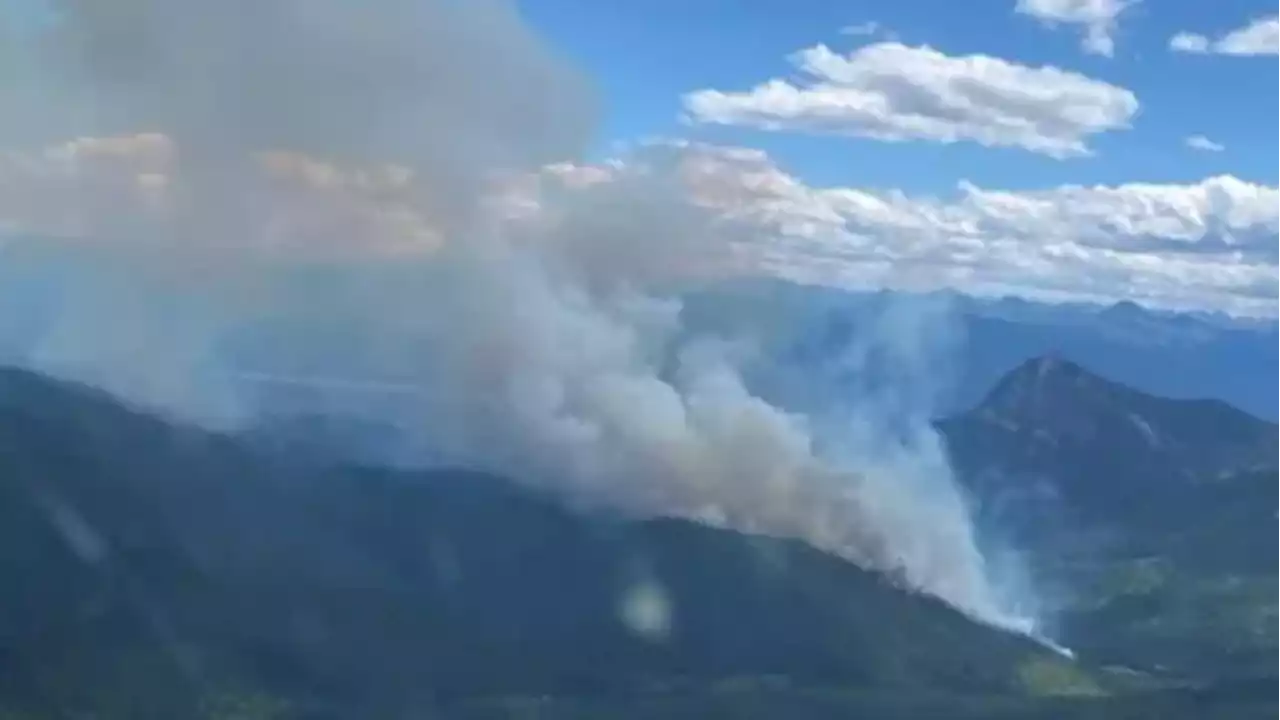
[
  {"x": 1209, "y": 244},
  {"x": 894, "y": 92},
  {"x": 380, "y": 189},
  {"x": 1204, "y": 245}
]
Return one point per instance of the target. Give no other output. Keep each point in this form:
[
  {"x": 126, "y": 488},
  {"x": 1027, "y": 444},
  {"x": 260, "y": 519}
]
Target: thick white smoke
[{"x": 536, "y": 348}]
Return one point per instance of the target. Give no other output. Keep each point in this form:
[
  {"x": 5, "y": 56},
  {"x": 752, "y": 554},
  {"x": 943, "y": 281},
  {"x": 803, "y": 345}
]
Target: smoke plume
[{"x": 323, "y": 193}]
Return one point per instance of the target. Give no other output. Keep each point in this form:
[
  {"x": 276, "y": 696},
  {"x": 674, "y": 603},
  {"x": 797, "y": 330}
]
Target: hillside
[
  {"x": 1053, "y": 439},
  {"x": 1057, "y": 406},
  {"x": 158, "y": 571},
  {"x": 1153, "y": 518},
  {"x": 164, "y": 558}
]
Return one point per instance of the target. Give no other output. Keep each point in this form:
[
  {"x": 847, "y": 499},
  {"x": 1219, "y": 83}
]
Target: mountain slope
[
  {"x": 160, "y": 564},
  {"x": 1152, "y": 521},
  {"x": 1051, "y": 399},
  {"x": 1105, "y": 449}
]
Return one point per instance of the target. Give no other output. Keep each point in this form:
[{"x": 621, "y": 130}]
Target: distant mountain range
[
  {"x": 158, "y": 571},
  {"x": 1175, "y": 355}
]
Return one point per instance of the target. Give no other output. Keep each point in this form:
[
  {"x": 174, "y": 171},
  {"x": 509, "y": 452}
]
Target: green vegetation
[
  {"x": 169, "y": 573},
  {"x": 1053, "y": 677}
]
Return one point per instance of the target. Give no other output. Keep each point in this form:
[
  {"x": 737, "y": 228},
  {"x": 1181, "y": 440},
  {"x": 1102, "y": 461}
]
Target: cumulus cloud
[
  {"x": 893, "y": 92},
  {"x": 1200, "y": 142},
  {"x": 1098, "y": 19},
  {"x": 1210, "y": 244},
  {"x": 1260, "y": 37}
]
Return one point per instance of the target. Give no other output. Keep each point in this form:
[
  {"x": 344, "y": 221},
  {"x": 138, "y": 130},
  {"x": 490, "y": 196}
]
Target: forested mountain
[
  {"x": 162, "y": 557},
  {"x": 1154, "y": 519},
  {"x": 159, "y": 571}
]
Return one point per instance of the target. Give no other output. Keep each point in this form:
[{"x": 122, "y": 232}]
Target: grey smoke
[{"x": 543, "y": 352}]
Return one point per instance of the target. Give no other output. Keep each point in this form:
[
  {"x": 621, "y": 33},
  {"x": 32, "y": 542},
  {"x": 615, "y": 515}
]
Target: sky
[
  {"x": 1084, "y": 150},
  {"x": 1167, "y": 103},
  {"x": 646, "y": 57}
]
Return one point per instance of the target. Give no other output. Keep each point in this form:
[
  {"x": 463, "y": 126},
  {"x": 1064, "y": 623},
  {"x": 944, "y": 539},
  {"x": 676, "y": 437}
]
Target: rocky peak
[
  {"x": 1052, "y": 399},
  {"x": 1051, "y": 389}
]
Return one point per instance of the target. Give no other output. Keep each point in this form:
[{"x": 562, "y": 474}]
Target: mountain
[
  {"x": 1178, "y": 356},
  {"x": 1175, "y": 355},
  {"x": 158, "y": 570},
  {"x": 1050, "y": 415},
  {"x": 150, "y": 564},
  {"x": 1108, "y": 454},
  {"x": 1152, "y": 519}
]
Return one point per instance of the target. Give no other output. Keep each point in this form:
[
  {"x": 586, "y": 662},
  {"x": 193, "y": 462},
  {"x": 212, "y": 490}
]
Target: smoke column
[{"x": 538, "y": 349}]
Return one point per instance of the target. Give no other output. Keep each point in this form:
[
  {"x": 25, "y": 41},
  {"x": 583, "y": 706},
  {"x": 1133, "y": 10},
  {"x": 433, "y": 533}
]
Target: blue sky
[{"x": 643, "y": 56}]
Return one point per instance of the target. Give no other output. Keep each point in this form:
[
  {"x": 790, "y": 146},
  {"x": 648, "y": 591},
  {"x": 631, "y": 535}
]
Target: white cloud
[
  {"x": 1259, "y": 37},
  {"x": 1097, "y": 18},
  {"x": 1189, "y": 43},
  {"x": 1200, "y": 142},
  {"x": 889, "y": 91},
  {"x": 1210, "y": 244}
]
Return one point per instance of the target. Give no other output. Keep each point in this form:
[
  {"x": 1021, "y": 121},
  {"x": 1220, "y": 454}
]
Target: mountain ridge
[
  {"x": 1144, "y": 512},
  {"x": 1174, "y": 355},
  {"x": 1052, "y": 400},
  {"x": 209, "y": 555},
  {"x": 219, "y": 568}
]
